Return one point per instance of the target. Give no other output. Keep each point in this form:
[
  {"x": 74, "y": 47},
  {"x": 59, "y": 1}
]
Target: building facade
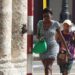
[{"x": 13, "y": 14}]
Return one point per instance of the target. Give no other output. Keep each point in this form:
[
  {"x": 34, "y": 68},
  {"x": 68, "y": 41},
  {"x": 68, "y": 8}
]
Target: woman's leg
[
  {"x": 65, "y": 73},
  {"x": 45, "y": 63},
  {"x": 48, "y": 65},
  {"x": 67, "y": 67}
]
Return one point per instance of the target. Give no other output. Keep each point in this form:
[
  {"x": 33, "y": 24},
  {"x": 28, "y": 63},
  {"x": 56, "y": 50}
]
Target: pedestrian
[
  {"x": 47, "y": 29},
  {"x": 69, "y": 38}
]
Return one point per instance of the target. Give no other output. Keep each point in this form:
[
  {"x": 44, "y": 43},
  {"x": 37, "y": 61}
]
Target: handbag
[
  {"x": 40, "y": 47},
  {"x": 62, "y": 57}
]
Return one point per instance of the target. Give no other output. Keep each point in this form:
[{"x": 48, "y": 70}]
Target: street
[{"x": 38, "y": 68}]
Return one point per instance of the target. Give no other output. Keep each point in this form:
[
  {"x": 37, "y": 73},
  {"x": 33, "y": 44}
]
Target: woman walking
[{"x": 47, "y": 29}]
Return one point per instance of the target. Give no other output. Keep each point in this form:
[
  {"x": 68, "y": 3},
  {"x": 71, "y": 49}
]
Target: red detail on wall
[
  {"x": 30, "y": 7},
  {"x": 29, "y": 43},
  {"x": 29, "y": 74}
]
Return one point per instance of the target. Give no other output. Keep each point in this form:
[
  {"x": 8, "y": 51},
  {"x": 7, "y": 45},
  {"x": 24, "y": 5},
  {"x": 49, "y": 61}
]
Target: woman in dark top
[{"x": 69, "y": 38}]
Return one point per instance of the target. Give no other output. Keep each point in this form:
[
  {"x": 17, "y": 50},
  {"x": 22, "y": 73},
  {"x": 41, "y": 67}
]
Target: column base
[
  {"x": 5, "y": 59},
  {"x": 13, "y": 68},
  {"x": 19, "y": 58}
]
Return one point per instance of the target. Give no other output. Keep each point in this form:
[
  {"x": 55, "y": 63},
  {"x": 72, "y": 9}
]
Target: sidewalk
[{"x": 38, "y": 68}]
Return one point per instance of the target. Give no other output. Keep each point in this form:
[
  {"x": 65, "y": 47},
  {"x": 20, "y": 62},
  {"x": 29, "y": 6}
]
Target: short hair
[{"x": 46, "y": 10}]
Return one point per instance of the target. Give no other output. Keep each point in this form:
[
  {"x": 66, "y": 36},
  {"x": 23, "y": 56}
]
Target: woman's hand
[
  {"x": 41, "y": 38},
  {"x": 68, "y": 53}
]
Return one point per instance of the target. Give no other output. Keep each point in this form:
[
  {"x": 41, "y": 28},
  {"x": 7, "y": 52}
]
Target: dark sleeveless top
[{"x": 68, "y": 39}]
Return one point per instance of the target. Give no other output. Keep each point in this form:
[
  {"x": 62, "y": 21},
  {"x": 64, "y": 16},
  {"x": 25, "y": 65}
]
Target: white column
[
  {"x": 6, "y": 67},
  {"x": 5, "y": 29},
  {"x": 19, "y": 47}
]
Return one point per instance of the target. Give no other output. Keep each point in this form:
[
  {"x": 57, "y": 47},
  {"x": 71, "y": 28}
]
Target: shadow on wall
[
  {"x": 24, "y": 29},
  {"x": 1, "y": 73}
]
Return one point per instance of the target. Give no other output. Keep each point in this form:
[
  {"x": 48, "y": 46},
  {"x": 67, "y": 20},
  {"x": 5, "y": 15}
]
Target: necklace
[{"x": 46, "y": 25}]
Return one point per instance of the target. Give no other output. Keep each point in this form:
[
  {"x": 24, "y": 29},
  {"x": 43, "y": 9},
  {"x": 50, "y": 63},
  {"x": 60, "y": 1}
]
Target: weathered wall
[
  {"x": 5, "y": 27},
  {"x": 19, "y": 17}
]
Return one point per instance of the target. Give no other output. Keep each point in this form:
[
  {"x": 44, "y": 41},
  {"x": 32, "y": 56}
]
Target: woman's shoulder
[
  {"x": 40, "y": 21},
  {"x": 56, "y": 23}
]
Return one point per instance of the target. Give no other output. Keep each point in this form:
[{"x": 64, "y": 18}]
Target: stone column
[
  {"x": 19, "y": 47},
  {"x": 5, "y": 29}
]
